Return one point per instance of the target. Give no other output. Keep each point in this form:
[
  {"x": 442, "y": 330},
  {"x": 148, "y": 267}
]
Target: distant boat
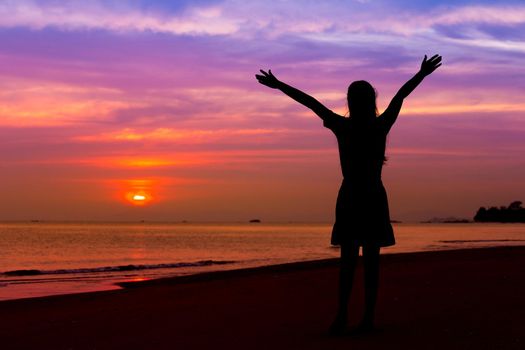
[{"x": 255, "y": 221}]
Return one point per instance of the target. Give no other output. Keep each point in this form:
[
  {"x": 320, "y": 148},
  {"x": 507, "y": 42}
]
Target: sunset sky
[{"x": 101, "y": 101}]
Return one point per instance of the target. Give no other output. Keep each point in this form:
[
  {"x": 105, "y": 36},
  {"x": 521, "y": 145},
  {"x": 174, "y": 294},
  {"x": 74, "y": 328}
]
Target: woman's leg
[
  {"x": 349, "y": 254},
  {"x": 371, "y": 265}
]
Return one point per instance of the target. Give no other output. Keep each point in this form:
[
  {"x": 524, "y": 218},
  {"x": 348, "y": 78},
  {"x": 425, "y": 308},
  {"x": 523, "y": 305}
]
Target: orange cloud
[
  {"x": 36, "y": 103},
  {"x": 194, "y": 136}
]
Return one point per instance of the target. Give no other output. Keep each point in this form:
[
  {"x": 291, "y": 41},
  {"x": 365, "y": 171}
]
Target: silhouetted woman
[{"x": 362, "y": 217}]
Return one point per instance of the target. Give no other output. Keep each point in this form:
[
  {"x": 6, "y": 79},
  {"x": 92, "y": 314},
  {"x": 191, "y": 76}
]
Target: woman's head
[{"x": 361, "y": 99}]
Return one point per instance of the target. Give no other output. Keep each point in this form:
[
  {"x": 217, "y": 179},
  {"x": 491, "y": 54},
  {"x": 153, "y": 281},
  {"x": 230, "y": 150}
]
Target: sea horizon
[{"x": 262, "y": 221}]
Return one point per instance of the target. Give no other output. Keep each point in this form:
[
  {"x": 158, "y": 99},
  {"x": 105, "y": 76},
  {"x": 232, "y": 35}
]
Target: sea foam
[{"x": 131, "y": 267}]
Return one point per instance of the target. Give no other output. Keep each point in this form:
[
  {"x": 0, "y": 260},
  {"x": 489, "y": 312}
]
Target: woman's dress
[{"x": 362, "y": 216}]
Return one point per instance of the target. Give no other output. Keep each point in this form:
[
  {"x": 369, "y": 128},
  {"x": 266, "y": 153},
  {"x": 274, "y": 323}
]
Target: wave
[
  {"x": 116, "y": 268},
  {"x": 481, "y": 240}
]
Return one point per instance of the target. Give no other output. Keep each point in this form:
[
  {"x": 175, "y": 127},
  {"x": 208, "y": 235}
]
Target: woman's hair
[{"x": 361, "y": 98}]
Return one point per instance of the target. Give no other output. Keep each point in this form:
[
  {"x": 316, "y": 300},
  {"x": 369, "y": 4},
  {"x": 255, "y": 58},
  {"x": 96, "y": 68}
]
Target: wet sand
[{"x": 463, "y": 299}]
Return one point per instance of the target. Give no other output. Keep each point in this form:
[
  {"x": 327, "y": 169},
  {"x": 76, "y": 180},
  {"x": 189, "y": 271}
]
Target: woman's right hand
[
  {"x": 428, "y": 66},
  {"x": 268, "y": 79}
]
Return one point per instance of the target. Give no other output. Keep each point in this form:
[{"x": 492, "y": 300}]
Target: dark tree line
[{"x": 513, "y": 213}]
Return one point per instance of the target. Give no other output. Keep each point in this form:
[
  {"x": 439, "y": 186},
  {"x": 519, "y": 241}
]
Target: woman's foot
[
  {"x": 366, "y": 326},
  {"x": 338, "y": 327}
]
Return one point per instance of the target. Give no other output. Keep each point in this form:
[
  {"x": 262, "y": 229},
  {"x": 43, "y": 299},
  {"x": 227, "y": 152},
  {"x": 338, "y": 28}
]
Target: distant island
[
  {"x": 447, "y": 220},
  {"x": 254, "y": 221},
  {"x": 513, "y": 213}
]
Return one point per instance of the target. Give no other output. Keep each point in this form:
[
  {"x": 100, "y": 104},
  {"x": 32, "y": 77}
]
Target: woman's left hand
[{"x": 268, "y": 79}]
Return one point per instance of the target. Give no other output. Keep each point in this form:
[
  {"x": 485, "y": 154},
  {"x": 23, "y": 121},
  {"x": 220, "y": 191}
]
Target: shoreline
[
  {"x": 282, "y": 267},
  {"x": 237, "y": 272}
]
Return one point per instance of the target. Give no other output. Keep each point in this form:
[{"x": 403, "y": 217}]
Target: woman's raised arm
[
  {"x": 427, "y": 67},
  {"x": 268, "y": 79}
]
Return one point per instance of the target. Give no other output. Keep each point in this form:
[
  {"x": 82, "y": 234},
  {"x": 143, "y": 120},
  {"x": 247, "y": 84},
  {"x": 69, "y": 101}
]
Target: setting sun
[
  {"x": 137, "y": 192},
  {"x": 140, "y": 197}
]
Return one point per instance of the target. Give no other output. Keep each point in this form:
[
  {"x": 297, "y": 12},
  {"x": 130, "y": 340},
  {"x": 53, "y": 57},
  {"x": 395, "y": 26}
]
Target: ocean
[{"x": 48, "y": 258}]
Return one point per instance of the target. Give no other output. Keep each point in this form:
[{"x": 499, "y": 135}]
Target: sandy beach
[{"x": 463, "y": 299}]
